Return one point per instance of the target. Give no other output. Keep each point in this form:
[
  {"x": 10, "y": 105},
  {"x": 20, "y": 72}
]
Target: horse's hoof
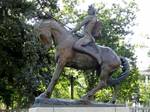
[
  {"x": 88, "y": 98},
  {"x": 84, "y": 101},
  {"x": 42, "y": 95},
  {"x": 41, "y": 99},
  {"x": 112, "y": 102}
]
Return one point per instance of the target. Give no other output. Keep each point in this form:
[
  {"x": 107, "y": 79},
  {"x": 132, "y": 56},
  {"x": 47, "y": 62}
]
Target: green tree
[{"x": 24, "y": 64}]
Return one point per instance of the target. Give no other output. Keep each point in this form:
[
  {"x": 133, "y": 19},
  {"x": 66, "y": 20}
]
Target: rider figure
[{"x": 89, "y": 25}]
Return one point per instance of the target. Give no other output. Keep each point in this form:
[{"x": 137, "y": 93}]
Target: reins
[{"x": 48, "y": 16}]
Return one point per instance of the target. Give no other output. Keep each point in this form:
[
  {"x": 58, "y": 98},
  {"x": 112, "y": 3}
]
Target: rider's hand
[{"x": 72, "y": 31}]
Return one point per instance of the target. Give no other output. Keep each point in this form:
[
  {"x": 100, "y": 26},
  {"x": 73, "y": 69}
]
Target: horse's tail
[{"x": 124, "y": 74}]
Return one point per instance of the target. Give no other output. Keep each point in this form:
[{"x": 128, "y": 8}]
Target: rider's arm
[{"x": 86, "y": 20}]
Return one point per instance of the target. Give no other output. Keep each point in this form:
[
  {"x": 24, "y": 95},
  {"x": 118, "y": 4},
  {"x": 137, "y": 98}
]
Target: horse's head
[{"x": 43, "y": 29}]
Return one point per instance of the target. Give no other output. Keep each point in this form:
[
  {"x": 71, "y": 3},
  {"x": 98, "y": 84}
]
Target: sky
[{"x": 142, "y": 34}]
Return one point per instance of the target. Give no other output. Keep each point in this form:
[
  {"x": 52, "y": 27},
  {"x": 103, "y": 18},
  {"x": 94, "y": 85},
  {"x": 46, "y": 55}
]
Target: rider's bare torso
[
  {"x": 88, "y": 27},
  {"x": 89, "y": 24}
]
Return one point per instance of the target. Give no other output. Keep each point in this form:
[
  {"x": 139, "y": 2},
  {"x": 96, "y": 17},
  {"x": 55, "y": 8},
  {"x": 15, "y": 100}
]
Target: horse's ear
[{"x": 96, "y": 32}]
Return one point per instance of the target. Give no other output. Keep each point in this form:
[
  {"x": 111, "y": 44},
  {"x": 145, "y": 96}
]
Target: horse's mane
[
  {"x": 44, "y": 22},
  {"x": 62, "y": 26}
]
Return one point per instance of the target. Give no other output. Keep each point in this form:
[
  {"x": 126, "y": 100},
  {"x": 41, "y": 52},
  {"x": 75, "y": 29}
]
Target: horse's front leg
[{"x": 56, "y": 75}]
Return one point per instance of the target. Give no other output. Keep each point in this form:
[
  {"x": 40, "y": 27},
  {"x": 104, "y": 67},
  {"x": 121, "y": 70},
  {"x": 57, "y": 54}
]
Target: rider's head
[{"x": 91, "y": 10}]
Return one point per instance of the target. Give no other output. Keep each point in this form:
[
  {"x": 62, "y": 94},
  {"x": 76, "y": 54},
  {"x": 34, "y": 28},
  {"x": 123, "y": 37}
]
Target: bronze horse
[{"x": 50, "y": 30}]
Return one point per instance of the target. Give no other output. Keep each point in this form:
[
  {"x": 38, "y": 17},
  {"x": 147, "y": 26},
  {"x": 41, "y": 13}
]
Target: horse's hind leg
[
  {"x": 102, "y": 83},
  {"x": 115, "y": 93}
]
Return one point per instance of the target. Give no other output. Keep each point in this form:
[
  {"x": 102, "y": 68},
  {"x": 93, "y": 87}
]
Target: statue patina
[
  {"x": 90, "y": 30},
  {"x": 79, "y": 54}
]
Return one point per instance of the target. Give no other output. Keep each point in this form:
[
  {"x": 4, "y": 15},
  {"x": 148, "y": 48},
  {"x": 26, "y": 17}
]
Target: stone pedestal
[
  {"x": 79, "y": 109},
  {"x": 64, "y": 105}
]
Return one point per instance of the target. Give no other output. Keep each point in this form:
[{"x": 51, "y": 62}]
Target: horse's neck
[{"x": 59, "y": 32}]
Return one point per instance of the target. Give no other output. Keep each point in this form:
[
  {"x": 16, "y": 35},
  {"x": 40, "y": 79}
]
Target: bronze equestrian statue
[{"x": 80, "y": 54}]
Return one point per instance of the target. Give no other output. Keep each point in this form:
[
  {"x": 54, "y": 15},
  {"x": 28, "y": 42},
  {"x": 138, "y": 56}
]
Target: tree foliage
[{"x": 23, "y": 61}]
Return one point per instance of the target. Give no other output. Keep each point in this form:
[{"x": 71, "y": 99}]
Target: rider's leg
[
  {"x": 79, "y": 45},
  {"x": 94, "y": 52}
]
